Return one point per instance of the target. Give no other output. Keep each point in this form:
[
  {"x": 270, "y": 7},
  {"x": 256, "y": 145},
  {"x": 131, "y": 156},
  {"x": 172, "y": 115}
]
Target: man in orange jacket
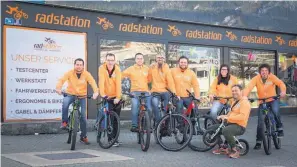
[
  {"x": 266, "y": 87},
  {"x": 237, "y": 120},
  {"x": 184, "y": 79},
  {"x": 77, "y": 86},
  {"x": 110, "y": 86},
  {"x": 160, "y": 75},
  {"x": 138, "y": 74}
]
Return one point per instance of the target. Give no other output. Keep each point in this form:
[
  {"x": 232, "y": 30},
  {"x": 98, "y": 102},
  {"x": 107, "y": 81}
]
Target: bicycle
[
  {"x": 167, "y": 126},
  {"x": 268, "y": 125},
  {"x": 74, "y": 116},
  {"x": 105, "y": 120},
  {"x": 226, "y": 108},
  {"x": 212, "y": 137},
  {"x": 144, "y": 123},
  {"x": 200, "y": 124}
]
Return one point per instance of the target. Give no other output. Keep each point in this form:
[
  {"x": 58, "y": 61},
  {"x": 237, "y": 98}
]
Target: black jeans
[{"x": 117, "y": 109}]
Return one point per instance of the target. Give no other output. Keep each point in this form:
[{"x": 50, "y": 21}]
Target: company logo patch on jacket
[{"x": 268, "y": 83}]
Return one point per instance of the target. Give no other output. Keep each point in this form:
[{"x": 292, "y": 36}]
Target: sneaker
[
  {"x": 64, "y": 125},
  {"x": 280, "y": 133},
  {"x": 116, "y": 144},
  {"x": 234, "y": 154},
  {"x": 257, "y": 146},
  {"x": 134, "y": 129},
  {"x": 84, "y": 140},
  {"x": 221, "y": 150}
]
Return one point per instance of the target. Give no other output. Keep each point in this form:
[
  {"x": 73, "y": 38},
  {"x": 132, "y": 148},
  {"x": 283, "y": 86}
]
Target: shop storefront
[{"x": 41, "y": 41}]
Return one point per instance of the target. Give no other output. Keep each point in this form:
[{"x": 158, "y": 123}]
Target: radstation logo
[{"x": 48, "y": 45}]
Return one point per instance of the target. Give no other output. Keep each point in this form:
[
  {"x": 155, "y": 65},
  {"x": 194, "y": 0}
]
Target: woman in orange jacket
[{"x": 221, "y": 86}]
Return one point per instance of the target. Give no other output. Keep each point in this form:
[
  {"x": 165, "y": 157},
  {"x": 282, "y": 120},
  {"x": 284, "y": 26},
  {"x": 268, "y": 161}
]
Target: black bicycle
[
  {"x": 74, "y": 117},
  {"x": 226, "y": 107},
  {"x": 106, "y": 119},
  {"x": 212, "y": 137},
  {"x": 176, "y": 125},
  {"x": 268, "y": 125},
  {"x": 144, "y": 123}
]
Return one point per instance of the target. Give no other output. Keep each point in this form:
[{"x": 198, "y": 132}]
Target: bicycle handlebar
[
  {"x": 218, "y": 98},
  {"x": 192, "y": 96},
  {"x": 79, "y": 97},
  {"x": 133, "y": 96},
  {"x": 264, "y": 99}
]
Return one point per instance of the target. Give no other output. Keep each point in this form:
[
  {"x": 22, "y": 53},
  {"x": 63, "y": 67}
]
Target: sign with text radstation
[{"x": 34, "y": 60}]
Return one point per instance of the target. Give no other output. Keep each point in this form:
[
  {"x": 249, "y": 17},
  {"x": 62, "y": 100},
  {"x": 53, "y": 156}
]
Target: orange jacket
[
  {"x": 110, "y": 86},
  {"x": 267, "y": 89},
  {"x": 222, "y": 90},
  {"x": 161, "y": 78},
  {"x": 77, "y": 86},
  {"x": 138, "y": 76},
  {"x": 184, "y": 81},
  {"x": 240, "y": 113}
]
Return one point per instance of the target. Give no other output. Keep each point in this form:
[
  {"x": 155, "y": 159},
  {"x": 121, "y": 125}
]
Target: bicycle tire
[
  {"x": 75, "y": 123},
  {"x": 111, "y": 118},
  {"x": 206, "y": 141},
  {"x": 200, "y": 131},
  {"x": 187, "y": 123},
  {"x": 276, "y": 140},
  {"x": 247, "y": 147},
  {"x": 69, "y": 131},
  {"x": 145, "y": 127},
  {"x": 265, "y": 136}
]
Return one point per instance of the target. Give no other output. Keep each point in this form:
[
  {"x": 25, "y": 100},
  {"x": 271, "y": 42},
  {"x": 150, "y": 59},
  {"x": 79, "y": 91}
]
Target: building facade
[{"x": 207, "y": 47}]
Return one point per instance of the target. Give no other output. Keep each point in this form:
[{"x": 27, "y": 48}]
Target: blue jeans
[
  {"x": 216, "y": 107},
  {"x": 135, "y": 106},
  {"x": 69, "y": 99},
  {"x": 185, "y": 102},
  {"x": 155, "y": 104},
  {"x": 274, "y": 105}
]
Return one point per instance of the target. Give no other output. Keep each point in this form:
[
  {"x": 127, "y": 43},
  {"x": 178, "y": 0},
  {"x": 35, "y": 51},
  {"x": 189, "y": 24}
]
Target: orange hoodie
[
  {"x": 161, "y": 78},
  {"x": 77, "y": 86},
  {"x": 184, "y": 81},
  {"x": 138, "y": 76},
  {"x": 240, "y": 113},
  {"x": 110, "y": 86},
  {"x": 222, "y": 90},
  {"x": 266, "y": 89}
]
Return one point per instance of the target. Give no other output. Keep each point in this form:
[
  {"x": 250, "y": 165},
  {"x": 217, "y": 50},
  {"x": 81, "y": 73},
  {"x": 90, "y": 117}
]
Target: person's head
[
  {"x": 160, "y": 59},
  {"x": 183, "y": 62},
  {"x": 139, "y": 59},
  {"x": 79, "y": 65},
  {"x": 236, "y": 92},
  {"x": 110, "y": 60},
  {"x": 224, "y": 70},
  {"x": 264, "y": 70},
  {"x": 294, "y": 59}
]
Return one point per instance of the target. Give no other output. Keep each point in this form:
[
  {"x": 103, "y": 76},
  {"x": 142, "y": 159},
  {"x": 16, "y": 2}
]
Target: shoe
[
  {"x": 221, "y": 150},
  {"x": 116, "y": 144},
  {"x": 64, "y": 125},
  {"x": 234, "y": 154},
  {"x": 84, "y": 140},
  {"x": 257, "y": 146},
  {"x": 280, "y": 133},
  {"x": 134, "y": 129}
]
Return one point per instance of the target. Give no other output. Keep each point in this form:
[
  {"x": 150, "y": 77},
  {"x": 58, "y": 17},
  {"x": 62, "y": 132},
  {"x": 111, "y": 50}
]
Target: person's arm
[
  {"x": 118, "y": 85},
  {"x": 213, "y": 87},
  {"x": 250, "y": 87},
  {"x": 62, "y": 80},
  {"x": 92, "y": 82},
  {"x": 244, "y": 112},
  {"x": 150, "y": 75},
  {"x": 279, "y": 83},
  {"x": 195, "y": 85},
  {"x": 170, "y": 82},
  {"x": 235, "y": 80},
  {"x": 126, "y": 73},
  {"x": 101, "y": 82}
]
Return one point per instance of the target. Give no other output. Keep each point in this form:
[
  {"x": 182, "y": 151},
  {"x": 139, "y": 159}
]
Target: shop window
[
  {"x": 204, "y": 61},
  {"x": 288, "y": 73},
  {"x": 245, "y": 64},
  {"x": 125, "y": 55}
]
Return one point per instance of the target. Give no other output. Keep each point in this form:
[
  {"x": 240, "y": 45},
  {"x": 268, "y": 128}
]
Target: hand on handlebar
[
  {"x": 116, "y": 101},
  {"x": 222, "y": 117},
  {"x": 282, "y": 94},
  {"x": 95, "y": 95},
  {"x": 211, "y": 97},
  {"x": 59, "y": 91}
]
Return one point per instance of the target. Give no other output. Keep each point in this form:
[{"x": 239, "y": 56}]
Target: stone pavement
[{"x": 46, "y": 149}]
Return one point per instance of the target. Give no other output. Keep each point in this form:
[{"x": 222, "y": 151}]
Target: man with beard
[
  {"x": 184, "y": 79},
  {"x": 77, "y": 86},
  {"x": 160, "y": 76}
]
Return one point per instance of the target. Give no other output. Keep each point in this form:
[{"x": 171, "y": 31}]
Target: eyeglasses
[
  {"x": 224, "y": 69},
  {"x": 160, "y": 57}
]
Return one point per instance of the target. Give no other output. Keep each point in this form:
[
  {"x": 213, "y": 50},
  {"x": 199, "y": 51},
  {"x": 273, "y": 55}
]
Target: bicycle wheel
[
  {"x": 108, "y": 130},
  {"x": 74, "y": 125},
  {"x": 243, "y": 147},
  {"x": 209, "y": 139},
  {"x": 276, "y": 140},
  {"x": 197, "y": 143},
  {"x": 69, "y": 129},
  {"x": 145, "y": 131},
  {"x": 172, "y": 126},
  {"x": 266, "y": 130}
]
